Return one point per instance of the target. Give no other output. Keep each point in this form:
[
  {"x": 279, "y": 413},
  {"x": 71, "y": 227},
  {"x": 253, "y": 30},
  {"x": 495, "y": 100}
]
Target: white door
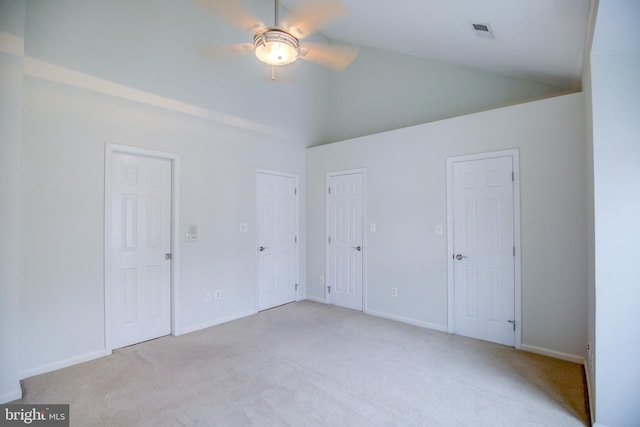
[
  {"x": 345, "y": 240},
  {"x": 277, "y": 239},
  {"x": 140, "y": 228},
  {"x": 483, "y": 249}
]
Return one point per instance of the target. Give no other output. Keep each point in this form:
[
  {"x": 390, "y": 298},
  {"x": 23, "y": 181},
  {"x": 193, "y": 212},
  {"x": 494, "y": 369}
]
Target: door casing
[
  {"x": 515, "y": 155},
  {"x": 175, "y": 233}
]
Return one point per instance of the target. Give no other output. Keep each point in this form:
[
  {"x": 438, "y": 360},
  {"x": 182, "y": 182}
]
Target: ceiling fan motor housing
[{"x": 274, "y": 46}]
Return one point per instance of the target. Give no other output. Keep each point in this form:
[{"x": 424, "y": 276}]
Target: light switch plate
[
  {"x": 190, "y": 232},
  {"x": 372, "y": 227},
  {"x": 439, "y": 229}
]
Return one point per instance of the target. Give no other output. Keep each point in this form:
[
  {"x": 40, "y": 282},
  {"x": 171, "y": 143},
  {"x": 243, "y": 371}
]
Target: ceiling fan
[{"x": 281, "y": 44}]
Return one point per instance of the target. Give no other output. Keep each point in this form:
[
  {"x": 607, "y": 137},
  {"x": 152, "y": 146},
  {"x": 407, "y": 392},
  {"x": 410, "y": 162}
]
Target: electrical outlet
[
  {"x": 217, "y": 294},
  {"x": 207, "y": 297},
  {"x": 322, "y": 280},
  {"x": 394, "y": 292}
]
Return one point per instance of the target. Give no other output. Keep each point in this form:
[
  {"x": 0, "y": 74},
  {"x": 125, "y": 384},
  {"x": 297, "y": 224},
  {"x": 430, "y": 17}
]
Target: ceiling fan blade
[
  {"x": 312, "y": 15},
  {"x": 336, "y": 56},
  {"x": 232, "y": 11},
  {"x": 222, "y": 53}
]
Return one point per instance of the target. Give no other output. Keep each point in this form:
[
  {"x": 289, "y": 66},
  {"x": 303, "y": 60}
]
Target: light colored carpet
[{"x": 309, "y": 364}]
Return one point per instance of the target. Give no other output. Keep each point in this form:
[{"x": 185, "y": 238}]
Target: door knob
[
  {"x": 459, "y": 257},
  {"x": 262, "y": 248},
  {"x": 357, "y": 248}
]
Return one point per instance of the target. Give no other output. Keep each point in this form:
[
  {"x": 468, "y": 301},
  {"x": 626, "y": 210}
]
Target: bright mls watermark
[{"x": 34, "y": 415}]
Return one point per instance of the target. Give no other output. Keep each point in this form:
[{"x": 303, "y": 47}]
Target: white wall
[
  {"x": 65, "y": 131},
  {"x": 406, "y": 198},
  {"x": 151, "y": 45},
  {"x": 11, "y": 27},
  {"x": 591, "y": 310},
  {"x": 94, "y": 74},
  {"x": 615, "y": 67},
  {"x": 126, "y": 72},
  {"x": 382, "y": 91}
]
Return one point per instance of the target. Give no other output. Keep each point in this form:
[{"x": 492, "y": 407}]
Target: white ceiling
[{"x": 539, "y": 40}]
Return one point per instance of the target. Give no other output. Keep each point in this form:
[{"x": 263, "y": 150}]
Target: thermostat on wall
[{"x": 191, "y": 232}]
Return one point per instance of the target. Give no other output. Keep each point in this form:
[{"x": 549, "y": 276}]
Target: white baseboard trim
[
  {"x": 54, "y": 366},
  {"x": 215, "y": 322},
  {"x": 555, "y": 354},
  {"x": 316, "y": 299},
  {"x": 10, "y": 396},
  {"x": 413, "y": 322}
]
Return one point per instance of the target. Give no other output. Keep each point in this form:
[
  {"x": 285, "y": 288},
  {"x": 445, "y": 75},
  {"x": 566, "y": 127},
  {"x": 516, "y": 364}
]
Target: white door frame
[
  {"x": 515, "y": 156},
  {"x": 363, "y": 171},
  {"x": 257, "y": 222},
  {"x": 110, "y": 149}
]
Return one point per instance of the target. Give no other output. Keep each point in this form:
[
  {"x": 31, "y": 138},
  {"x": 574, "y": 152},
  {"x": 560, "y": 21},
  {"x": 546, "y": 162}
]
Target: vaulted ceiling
[{"x": 538, "y": 40}]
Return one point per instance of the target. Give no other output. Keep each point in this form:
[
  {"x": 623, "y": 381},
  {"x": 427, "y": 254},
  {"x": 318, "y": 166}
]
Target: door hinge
[
  {"x": 329, "y": 289},
  {"x": 514, "y": 251},
  {"x": 329, "y": 239},
  {"x": 297, "y": 286},
  {"x": 295, "y": 191},
  {"x": 295, "y": 239},
  {"x": 329, "y": 189},
  {"x": 514, "y": 323},
  {"x": 167, "y": 256},
  {"x": 513, "y": 176}
]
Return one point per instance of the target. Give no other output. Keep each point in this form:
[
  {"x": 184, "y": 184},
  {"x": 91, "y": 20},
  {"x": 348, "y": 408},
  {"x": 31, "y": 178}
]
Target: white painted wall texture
[
  {"x": 10, "y": 128},
  {"x": 63, "y": 200},
  {"x": 150, "y": 45},
  {"x": 77, "y": 98},
  {"x": 10, "y": 141},
  {"x": 406, "y": 199},
  {"x": 98, "y": 72},
  {"x": 382, "y": 91},
  {"x": 615, "y": 67}
]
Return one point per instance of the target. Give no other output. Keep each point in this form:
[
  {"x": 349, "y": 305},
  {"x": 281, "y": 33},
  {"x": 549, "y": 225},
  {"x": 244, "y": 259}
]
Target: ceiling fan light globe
[{"x": 276, "y": 47}]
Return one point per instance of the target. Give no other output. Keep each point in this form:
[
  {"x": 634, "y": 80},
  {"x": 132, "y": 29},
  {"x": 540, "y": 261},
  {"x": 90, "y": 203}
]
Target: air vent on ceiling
[{"x": 482, "y": 29}]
